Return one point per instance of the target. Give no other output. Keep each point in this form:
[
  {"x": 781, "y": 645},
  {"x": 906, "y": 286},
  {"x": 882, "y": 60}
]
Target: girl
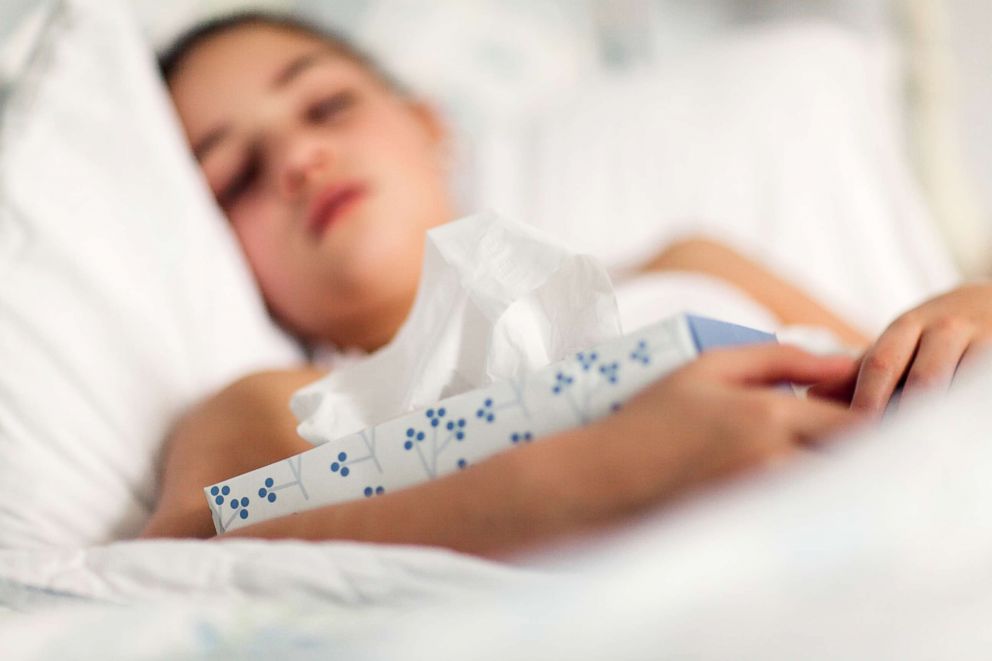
[{"x": 330, "y": 175}]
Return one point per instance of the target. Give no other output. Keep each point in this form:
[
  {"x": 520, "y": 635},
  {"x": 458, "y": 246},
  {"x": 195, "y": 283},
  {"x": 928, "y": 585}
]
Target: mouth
[{"x": 331, "y": 205}]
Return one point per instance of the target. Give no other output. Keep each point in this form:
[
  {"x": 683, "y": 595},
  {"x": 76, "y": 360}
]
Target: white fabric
[
  {"x": 948, "y": 99},
  {"x": 185, "y": 599},
  {"x": 17, "y": 48},
  {"x": 123, "y": 296},
  {"x": 650, "y": 297},
  {"x": 344, "y": 572},
  {"x": 783, "y": 141}
]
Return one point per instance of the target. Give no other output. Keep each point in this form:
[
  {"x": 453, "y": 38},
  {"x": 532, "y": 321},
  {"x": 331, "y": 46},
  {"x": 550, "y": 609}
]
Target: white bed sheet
[
  {"x": 349, "y": 574},
  {"x": 179, "y": 599}
]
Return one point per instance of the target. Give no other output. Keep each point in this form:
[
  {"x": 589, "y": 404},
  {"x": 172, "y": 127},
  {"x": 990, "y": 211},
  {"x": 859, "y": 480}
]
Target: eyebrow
[
  {"x": 286, "y": 75},
  {"x": 209, "y": 141},
  {"x": 297, "y": 66}
]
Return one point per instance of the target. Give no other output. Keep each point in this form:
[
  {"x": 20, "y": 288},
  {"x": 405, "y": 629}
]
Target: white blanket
[{"x": 226, "y": 599}]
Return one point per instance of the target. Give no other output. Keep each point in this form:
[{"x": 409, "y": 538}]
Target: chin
[{"x": 377, "y": 276}]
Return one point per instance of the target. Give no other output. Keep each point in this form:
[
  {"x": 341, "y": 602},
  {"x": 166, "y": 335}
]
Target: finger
[
  {"x": 979, "y": 349},
  {"x": 812, "y": 421},
  {"x": 840, "y": 389},
  {"x": 769, "y": 364},
  {"x": 937, "y": 357},
  {"x": 882, "y": 367}
]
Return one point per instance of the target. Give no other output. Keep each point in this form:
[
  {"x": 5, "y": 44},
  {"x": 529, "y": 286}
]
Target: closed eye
[
  {"x": 240, "y": 183},
  {"x": 331, "y": 107}
]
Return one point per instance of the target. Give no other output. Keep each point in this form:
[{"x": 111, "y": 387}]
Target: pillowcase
[
  {"x": 123, "y": 295},
  {"x": 782, "y": 140}
]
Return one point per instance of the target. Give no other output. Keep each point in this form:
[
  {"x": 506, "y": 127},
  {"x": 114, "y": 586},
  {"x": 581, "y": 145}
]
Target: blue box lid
[{"x": 712, "y": 334}]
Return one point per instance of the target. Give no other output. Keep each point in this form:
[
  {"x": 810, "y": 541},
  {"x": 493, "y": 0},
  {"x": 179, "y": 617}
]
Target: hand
[
  {"x": 924, "y": 347},
  {"x": 717, "y": 416}
]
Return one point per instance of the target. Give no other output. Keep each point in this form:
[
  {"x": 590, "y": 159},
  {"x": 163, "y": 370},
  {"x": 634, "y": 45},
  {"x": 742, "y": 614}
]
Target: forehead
[{"x": 233, "y": 70}]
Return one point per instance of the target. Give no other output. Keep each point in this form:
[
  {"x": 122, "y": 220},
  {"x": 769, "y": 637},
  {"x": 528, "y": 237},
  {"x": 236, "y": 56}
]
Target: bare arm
[
  {"x": 787, "y": 302},
  {"x": 243, "y": 427},
  {"x": 562, "y": 485},
  {"x": 249, "y": 425}
]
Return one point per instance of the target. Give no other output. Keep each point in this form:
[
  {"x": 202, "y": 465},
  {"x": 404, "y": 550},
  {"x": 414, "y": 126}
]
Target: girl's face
[{"x": 329, "y": 178}]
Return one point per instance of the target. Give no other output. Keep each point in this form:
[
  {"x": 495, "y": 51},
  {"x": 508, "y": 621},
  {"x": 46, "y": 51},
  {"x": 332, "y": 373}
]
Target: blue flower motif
[
  {"x": 486, "y": 411},
  {"x": 587, "y": 359},
  {"x": 339, "y": 466},
  {"x": 522, "y": 437},
  {"x": 242, "y": 505},
  {"x": 458, "y": 427},
  {"x": 265, "y": 492},
  {"x": 411, "y": 436},
  {"x": 640, "y": 353},
  {"x": 610, "y": 371},
  {"x": 562, "y": 382},
  {"x": 434, "y": 416},
  {"x": 377, "y": 491},
  {"x": 220, "y": 493}
]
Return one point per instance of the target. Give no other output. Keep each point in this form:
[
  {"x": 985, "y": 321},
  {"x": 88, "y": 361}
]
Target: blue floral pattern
[{"x": 460, "y": 430}]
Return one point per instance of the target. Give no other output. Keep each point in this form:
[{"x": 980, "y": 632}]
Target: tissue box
[{"x": 468, "y": 428}]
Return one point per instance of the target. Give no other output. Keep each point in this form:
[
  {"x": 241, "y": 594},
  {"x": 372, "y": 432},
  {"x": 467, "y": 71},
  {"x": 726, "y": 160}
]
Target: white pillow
[
  {"x": 123, "y": 296},
  {"x": 782, "y": 140}
]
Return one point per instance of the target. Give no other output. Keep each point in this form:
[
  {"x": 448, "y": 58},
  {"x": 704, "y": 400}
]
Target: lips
[{"x": 331, "y": 205}]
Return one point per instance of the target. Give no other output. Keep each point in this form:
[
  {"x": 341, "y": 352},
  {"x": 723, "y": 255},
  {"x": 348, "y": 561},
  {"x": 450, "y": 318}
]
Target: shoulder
[
  {"x": 264, "y": 386},
  {"x": 256, "y": 402}
]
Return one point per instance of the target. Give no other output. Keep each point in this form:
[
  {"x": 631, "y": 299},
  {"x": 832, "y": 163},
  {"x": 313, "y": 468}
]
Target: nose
[{"x": 305, "y": 162}]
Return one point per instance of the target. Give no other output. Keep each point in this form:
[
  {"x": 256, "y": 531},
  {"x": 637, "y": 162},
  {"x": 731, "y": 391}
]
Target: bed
[{"x": 123, "y": 299}]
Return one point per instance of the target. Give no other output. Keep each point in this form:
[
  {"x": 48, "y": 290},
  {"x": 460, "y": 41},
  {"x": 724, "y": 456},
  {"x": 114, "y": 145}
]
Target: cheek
[
  {"x": 407, "y": 152},
  {"x": 264, "y": 246},
  {"x": 388, "y": 248},
  {"x": 418, "y": 197},
  {"x": 421, "y": 159},
  {"x": 366, "y": 256},
  {"x": 253, "y": 232}
]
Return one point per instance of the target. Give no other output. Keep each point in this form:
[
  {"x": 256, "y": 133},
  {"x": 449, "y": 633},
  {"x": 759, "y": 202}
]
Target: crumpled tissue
[{"x": 497, "y": 299}]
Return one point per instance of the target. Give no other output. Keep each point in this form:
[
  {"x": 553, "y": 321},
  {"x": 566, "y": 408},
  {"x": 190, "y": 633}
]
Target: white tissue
[{"x": 496, "y": 299}]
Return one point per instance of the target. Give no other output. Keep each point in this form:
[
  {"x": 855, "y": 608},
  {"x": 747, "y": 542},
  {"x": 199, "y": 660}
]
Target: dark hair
[{"x": 171, "y": 59}]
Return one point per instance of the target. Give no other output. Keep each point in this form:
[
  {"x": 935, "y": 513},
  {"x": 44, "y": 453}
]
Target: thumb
[{"x": 812, "y": 420}]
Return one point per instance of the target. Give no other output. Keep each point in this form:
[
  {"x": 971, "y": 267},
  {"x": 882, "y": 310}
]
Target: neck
[{"x": 372, "y": 331}]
